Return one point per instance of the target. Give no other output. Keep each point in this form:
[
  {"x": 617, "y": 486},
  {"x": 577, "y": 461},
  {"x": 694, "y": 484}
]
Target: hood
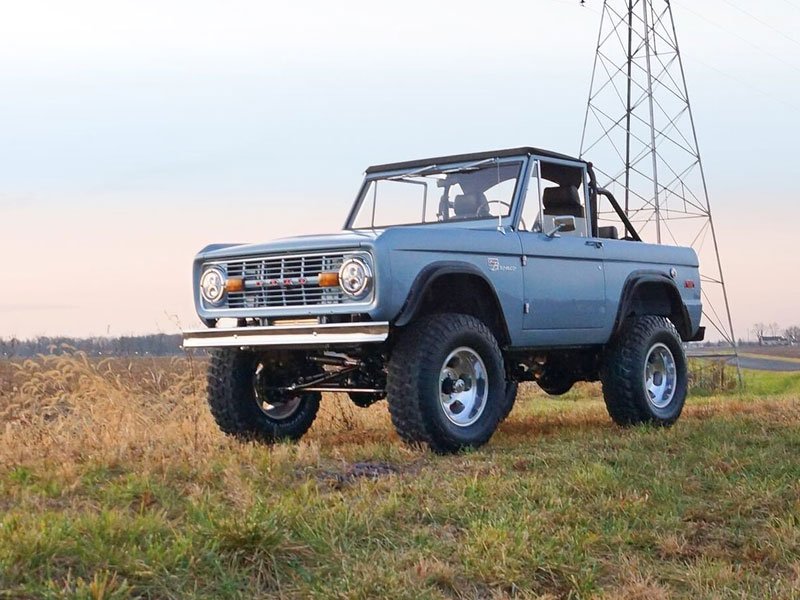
[{"x": 300, "y": 243}]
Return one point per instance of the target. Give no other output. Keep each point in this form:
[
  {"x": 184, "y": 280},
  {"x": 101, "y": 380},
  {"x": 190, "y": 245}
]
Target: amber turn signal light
[
  {"x": 234, "y": 285},
  {"x": 329, "y": 279}
]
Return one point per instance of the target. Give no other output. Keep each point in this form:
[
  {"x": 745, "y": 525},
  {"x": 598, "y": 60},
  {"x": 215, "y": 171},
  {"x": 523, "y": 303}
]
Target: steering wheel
[{"x": 508, "y": 206}]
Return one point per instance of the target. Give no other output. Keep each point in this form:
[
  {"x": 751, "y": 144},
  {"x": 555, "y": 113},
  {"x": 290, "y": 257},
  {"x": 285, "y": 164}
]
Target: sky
[{"x": 135, "y": 132}]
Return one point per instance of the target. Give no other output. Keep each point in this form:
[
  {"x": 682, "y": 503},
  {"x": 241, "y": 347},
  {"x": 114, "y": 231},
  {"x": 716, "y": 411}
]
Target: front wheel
[
  {"x": 244, "y": 401},
  {"x": 512, "y": 387},
  {"x": 446, "y": 383},
  {"x": 644, "y": 374}
]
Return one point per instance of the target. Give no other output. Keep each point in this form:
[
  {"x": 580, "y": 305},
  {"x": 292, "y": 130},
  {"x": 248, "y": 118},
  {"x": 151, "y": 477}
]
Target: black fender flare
[
  {"x": 428, "y": 275},
  {"x": 635, "y": 281}
]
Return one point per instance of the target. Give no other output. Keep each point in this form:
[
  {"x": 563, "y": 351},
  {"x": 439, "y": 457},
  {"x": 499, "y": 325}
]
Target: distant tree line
[
  {"x": 158, "y": 344},
  {"x": 772, "y": 331}
]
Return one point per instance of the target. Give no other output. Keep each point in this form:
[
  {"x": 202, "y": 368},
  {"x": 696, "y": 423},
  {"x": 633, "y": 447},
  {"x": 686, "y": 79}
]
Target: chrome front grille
[{"x": 284, "y": 281}]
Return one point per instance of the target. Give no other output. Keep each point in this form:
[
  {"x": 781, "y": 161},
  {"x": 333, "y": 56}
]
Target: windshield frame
[{"x": 504, "y": 221}]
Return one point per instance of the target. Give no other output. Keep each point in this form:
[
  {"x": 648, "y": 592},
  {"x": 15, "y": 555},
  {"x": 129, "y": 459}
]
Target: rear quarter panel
[{"x": 624, "y": 257}]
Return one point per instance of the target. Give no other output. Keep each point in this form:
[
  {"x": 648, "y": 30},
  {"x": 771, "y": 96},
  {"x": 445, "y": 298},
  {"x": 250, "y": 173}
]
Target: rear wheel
[
  {"x": 245, "y": 403},
  {"x": 446, "y": 383},
  {"x": 644, "y": 373}
]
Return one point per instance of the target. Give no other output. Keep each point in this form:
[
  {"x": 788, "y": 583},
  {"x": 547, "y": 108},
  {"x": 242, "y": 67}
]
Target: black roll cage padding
[
  {"x": 620, "y": 213},
  {"x": 594, "y": 191}
]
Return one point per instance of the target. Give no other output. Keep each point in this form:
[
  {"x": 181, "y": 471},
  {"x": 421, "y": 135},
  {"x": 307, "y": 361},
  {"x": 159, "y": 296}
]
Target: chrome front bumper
[{"x": 288, "y": 336}]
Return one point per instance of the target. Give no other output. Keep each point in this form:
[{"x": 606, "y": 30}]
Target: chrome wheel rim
[
  {"x": 660, "y": 376},
  {"x": 277, "y": 411},
  {"x": 463, "y": 387}
]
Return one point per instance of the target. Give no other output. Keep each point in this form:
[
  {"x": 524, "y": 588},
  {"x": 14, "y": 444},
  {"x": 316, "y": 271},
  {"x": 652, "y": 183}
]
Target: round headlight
[
  {"x": 212, "y": 285},
  {"x": 355, "y": 277}
]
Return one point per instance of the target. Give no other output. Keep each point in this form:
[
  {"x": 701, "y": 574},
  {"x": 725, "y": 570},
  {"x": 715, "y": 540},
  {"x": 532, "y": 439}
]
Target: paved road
[
  {"x": 766, "y": 364},
  {"x": 756, "y": 363}
]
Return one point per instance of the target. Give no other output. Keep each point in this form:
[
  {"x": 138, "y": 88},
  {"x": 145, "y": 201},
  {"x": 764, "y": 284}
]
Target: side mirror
[{"x": 562, "y": 223}]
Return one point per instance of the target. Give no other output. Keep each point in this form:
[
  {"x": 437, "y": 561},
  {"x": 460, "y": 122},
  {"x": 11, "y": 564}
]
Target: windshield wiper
[
  {"x": 423, "y": 170},
  {"x": 470, "y": 167},
  {"x": 414, "y": 173}
]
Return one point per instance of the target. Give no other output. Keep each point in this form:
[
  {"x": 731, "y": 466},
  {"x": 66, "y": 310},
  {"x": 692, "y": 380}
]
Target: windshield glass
[{"x": 437, "y": 194}]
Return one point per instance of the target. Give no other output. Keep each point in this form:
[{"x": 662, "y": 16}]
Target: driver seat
[{"x": 468, "y": 206}]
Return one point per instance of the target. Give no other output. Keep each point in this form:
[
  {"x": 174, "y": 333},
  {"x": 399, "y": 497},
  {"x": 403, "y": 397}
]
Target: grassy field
[{"x": 115, "y": 483}]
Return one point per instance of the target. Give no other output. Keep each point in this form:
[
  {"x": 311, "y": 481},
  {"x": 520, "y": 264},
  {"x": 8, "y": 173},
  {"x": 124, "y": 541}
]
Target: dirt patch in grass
[{"x": 369, "y": 470}]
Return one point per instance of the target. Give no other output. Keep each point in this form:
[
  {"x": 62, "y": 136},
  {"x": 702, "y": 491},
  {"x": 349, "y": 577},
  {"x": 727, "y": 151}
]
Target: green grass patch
[
  {"x": 768, "y": 383},
  {"x": 714, "y": 378}
]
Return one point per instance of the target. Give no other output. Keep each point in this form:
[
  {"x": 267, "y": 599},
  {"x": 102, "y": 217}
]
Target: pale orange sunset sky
[{"x": 135, "y": 133}]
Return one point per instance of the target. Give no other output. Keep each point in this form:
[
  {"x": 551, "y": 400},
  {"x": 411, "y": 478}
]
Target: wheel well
[
  {"x": 658, "y": 298},
  {"x": 467, "y": 294}
]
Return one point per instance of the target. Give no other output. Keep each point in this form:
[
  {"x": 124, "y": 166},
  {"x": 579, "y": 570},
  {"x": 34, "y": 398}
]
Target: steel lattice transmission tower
[{"x": 639, "y": 129}]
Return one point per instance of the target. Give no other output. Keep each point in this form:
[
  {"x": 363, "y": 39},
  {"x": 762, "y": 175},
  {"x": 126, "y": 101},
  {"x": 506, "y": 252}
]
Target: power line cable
[
  {"x": 747, "y": 84},
  {"x": 739, "y": 80},
  {"x": 762, "y": 22},
  {"x": 742, "y": 38}
]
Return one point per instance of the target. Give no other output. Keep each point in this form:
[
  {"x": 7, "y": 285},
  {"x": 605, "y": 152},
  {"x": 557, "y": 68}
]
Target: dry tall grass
[
  {"x": 62, "y": 409},
  {"x": 67, "y": 409}
]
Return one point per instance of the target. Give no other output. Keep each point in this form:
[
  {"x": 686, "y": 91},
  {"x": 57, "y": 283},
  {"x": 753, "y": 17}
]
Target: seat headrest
[
  {"x": 564, "y": 200},
  {"x": 470, "y": 205},
  {"x": 564, "y": 195}
]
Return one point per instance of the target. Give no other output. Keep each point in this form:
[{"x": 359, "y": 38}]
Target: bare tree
[
  {"x": 758, "y": 331},
  {"x": 792, "y": 333}
]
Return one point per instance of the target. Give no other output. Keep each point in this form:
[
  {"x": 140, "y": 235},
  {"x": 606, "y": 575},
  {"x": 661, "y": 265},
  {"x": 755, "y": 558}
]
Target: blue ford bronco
[{"x": 455, "y": 279}]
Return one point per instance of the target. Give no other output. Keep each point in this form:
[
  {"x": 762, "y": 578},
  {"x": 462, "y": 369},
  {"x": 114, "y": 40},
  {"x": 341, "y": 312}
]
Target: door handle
[{"x": 594, "y": 243}]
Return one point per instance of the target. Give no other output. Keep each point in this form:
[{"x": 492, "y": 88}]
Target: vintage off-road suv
[{"x": 455, "y": 278}]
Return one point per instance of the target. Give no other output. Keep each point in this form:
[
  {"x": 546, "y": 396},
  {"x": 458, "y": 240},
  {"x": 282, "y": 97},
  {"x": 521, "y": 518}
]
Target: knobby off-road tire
[
  {"x": 644, "y": 373},
  {"x": 429, "y": 363},
  {"x": 237, "y": 409},
  {"x": 510, "y": 398}
]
